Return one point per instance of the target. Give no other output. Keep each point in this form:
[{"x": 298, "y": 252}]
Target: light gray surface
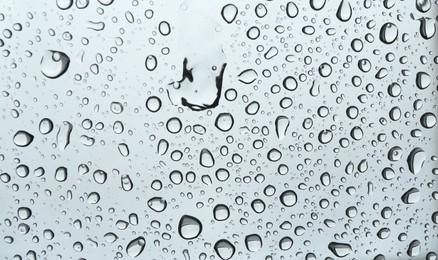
[{"x": 105, "y": 72}]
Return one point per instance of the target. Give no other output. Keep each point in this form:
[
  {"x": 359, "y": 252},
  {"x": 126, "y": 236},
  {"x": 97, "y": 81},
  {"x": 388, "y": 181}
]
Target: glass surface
[{"x": 218, "y": 130}]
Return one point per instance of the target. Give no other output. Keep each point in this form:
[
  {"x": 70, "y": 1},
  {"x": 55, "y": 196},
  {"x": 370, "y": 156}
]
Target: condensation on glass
[{"x": 218, "y": 129}]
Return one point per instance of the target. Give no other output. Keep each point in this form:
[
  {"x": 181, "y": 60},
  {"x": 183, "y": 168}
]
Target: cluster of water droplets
[{"x": 194, "y": 130}]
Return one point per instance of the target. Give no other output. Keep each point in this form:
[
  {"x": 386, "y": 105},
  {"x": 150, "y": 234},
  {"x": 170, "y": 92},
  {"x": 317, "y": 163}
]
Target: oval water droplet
[
  {"x": 416, "y": 160},
  {"x": 224, "y": 122},
  {"x": 151, "y": 62},
  {"x": 291, "y": 10},
  {"x": 22, "y": 138},
  {"x": 157, "y": 204},
  {"x": 247, "y": 76},
  {"x": 388, "y": 33},
  {"x": 136, "y": 247},
  {"x": 45, "y": 126},
  {"x": 340, "y": 249},
  {"x": 54, "y": 64}
]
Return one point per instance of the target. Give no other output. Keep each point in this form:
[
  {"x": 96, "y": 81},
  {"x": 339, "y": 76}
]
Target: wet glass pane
[{"x": 218, "y": 129}]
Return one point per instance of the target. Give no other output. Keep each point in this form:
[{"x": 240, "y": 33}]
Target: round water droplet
[
  {"x": 290, "y": 83},
  {"x": 64, "y": 4},
  {"x": 100, "y": 176},
  {"x": 189, "y": 227},
  {"x": 286, "y": 243},
  {"x": 54, "y": 64},
  {"x": 22, "y": 138},
  {"x": 288, "y": 198},
  {"x": 221, "y": 212},
  {"x": 174, "y": 125},
  {"x": 428, "y": 120},
  {"x": 253, "y": 242},
  {"x": 153, "y": 104},
  {"x": 224, "y": 249},
  {"x": 116, "y": 107},
  {"x": 229, "y": 13},
  {"x": 24, "y": 213},
  {"x": 224, "y": 122}
]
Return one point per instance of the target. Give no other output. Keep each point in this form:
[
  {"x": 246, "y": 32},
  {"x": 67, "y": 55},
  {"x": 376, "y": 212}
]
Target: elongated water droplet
[
  {"x": 63, "y": 136},
  {"x": 136, "y": 247}
]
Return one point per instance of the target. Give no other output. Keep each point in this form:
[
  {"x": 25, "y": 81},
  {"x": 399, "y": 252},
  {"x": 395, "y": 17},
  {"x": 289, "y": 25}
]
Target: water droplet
[
  {"x": 157, "y": 204},
  {"x": 423, "y": 80},
  {"x": 428, "y": 120},
  {"x": 291, "y": 10},
  {"x": 253, "y": 242},
  {"x": 416, "y": 160},
  {"x": 151, "y": 62},
  {"x": 344, "y": 11},
  {"x": 64, "y": 4},
  {"x": 229, "y": 13},
  {"x": 290, "y": 83},
  {"x": 54, "y": 64},
  {"x": 224, "y": 122},
  {"x": 127, "y": 184},
  {"x": 100, "y": 176},
  {"x": 288, "y": 198},
  {"x": 317, "y": 4},
  {"x": 414, "y": 248},
  {"x": 281, "y": 126},
  {"x": 411, "y": 196},
  {"x": 388, "y": 33},
  {"x": 61, "y": 174},
  {"x": 247, "y": 76},
  {"x": 224, "y": 249},
  {"x": 24, "y": 213},
  {"x": 206, "y": 158},
  {"x": 136, "y": 246},
  {"x": 286, "y": 243},
  {"x": 221, "y": 212},
  {"x": 22, "y": 138},
  {"x": 63, "y": 136},
  {"x": 340, "y": 249},
  {"x": 45, "y": 126},
  {"x": 189, "y": 227},
  {"x": 153, "y": 104}
]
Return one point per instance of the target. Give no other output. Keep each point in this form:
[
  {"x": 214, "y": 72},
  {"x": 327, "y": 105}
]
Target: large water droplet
[
  {"x": 22, "y": 138},
  {"x": 189, "y": 227},
  {"x": 224, "y": 249},
  {"x": 253, "y": 242},
  {"x": 229, "y": 13},
  {"x": 388, "y": 33},
  {"x": 340, "y": 249},
  {"x": 136, "y": 247},
  {"x": 344, "y": 11},
  {"x": 411, "y": 196},
  {"x": 54, "y": 63},
  {"x": 416, "y": 160}
]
